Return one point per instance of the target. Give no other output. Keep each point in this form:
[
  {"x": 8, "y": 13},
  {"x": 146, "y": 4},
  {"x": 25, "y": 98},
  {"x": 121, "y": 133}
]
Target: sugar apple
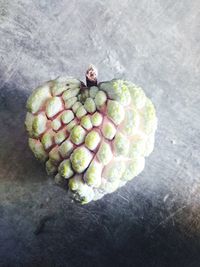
[{"x": 94, "y": 138}]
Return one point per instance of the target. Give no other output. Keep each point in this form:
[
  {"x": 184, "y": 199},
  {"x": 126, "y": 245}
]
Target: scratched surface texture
[{"x": 155, "y": 219}]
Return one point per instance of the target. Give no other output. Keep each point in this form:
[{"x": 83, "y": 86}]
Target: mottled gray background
[{"x": 155, "y": 219}]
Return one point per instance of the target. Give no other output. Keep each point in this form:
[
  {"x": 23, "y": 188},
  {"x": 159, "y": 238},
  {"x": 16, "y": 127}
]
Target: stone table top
[{"x": 153, "y": 220}]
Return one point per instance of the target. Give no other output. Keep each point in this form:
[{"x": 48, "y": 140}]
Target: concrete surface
[{"x": 154, "y": 220}]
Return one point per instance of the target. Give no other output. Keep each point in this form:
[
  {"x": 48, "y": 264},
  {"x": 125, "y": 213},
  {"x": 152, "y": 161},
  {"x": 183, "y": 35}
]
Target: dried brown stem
[{"x": 91, "y": 76}]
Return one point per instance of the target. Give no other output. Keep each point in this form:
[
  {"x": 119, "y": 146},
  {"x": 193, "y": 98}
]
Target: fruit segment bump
[{"x": 93, "y": 137}]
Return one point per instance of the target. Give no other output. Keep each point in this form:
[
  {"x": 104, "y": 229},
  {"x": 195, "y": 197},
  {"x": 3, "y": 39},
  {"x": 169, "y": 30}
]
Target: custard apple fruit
[{"x": 92, "y": 139}]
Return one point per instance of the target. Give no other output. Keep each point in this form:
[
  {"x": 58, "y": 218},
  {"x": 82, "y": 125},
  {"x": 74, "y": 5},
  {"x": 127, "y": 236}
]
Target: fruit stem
[{"x": 91, "y": 76}]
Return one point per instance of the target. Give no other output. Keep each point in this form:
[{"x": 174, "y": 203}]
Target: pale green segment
[
  {"x": 80, "y": 159},
  {"x": 29, "y": 122},
  {"x": 38, "y": 98},
  {"x": 53, "y": 106},
  {"x": 54, "y": 155},
  {"x": 137, "y": 95},
  {"x": 75, "y": 182},
  {"x": 117, "y": 90},
  {"x": 104, "y": 153},
  {"x": 108, "y": 130},
  {"x": 134, "y": 167},
  {"x": 110, "y": 187},
  {"x": 149, "y": 116},
  {"x": 50, "y": 167},
  {"x": 137, "y": 147},
  {"x": 71, "y": 125},
  {"x": 79, "y": 97},
  {"x": 70, "y": 93},
  {"x": 83, "y": 95},
  {"x": 65, "y": 169},
  {"x": 76, "y": 106},
  {"x": 70, "y": 102},
  {"x": 56, "y": 124},
  {"x": 89, "y": 105},
  {"x": 77, "y": 135},
  {"x": 81, "y": 191},
  {"x": 100, "y": 98},
  {"x": 58, "y": 88},
  {"x": 115, "y": 111},
  {"x": 121, "y": 145},
  {"x": 62, "y": 84},
  {"x": 60, "y": 136},
  {"x": 59, "y": 179},
  {"x": 37, "y": 149},
  {"x": 86, "y": 122},
  {"x": 122, "y": 92},
  {"x": 39, "y": 124},
  {"x": 67, "y": 116},
  {"x": 80, "y": 112},
  {"x": 114, "y": 170},
  {"x": 98, "y": 193},
  {"x": 93, "y": 91},
  {"x": 96, "y": 119},
  {"x": 47, "y": 139},
  {"x": 93, "y": 174},
  {"x": 131, "y": 121},
  {"x": 92, "y": 140},
  {"x": 66, "y": 148}
]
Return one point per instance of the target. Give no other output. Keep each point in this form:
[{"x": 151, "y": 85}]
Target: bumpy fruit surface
[{"x": 94, "y": 139}]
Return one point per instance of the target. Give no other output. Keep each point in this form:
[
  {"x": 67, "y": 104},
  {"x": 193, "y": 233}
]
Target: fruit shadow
[{"x": 16, "y": 160}]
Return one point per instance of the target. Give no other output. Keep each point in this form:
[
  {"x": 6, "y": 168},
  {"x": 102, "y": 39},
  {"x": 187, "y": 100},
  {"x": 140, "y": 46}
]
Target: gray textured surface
[{"x": 154, "y": 220}]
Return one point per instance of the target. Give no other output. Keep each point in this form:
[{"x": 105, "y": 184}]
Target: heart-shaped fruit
[{"x": 93, "y": 138}]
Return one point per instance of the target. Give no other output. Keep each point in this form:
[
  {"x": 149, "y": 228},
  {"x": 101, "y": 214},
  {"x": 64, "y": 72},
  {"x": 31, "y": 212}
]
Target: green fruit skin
[{"x": 93, "y": 139}]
